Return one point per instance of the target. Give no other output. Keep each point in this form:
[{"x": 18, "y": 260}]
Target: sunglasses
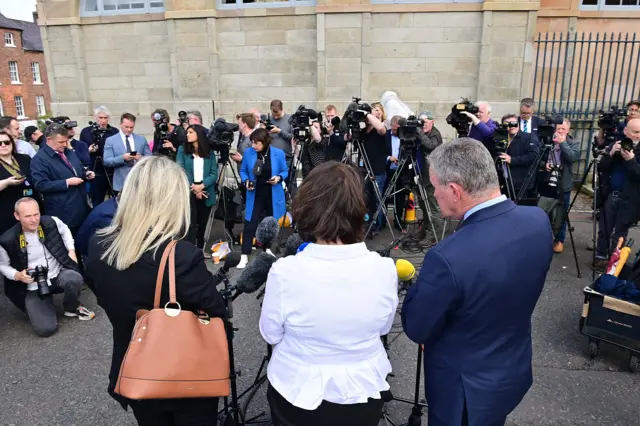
[{"x": 5, "y": 143}]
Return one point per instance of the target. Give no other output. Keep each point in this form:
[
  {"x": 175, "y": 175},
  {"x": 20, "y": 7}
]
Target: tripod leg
[{"x": 573, "y": 247}]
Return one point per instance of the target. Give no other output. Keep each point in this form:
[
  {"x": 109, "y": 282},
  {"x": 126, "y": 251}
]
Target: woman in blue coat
[
  {"x": 262, "y": 171},
  {"x": 201, "y": 166}
]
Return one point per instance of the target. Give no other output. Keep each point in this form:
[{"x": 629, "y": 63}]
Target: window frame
[
  {"x": 40, "y": 111},
  {"x": 602, "y": 6},
  {"x": 15, "y": 101},
  {"x": 271, "y": 4},
  {"x": 17, "y": 73},
  {"x": 101, "y": 12},
  {"x": 1, "y": 108},
  {"x": 13, "y": 40},
  {"x": 422, "y": 1},
  {"x": 36, "y": 66}
]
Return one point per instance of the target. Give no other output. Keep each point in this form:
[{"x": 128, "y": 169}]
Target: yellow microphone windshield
[{"x": 406, "y": 271}]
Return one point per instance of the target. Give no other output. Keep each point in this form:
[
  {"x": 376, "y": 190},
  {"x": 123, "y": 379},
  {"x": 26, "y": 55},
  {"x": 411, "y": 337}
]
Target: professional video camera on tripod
[
  {"x": 500, "y": 146},
  {"x": 460, "y": 121}
]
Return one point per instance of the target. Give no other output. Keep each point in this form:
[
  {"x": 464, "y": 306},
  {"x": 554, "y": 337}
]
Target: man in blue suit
[
  {"x": 472, "y": 303},
  {"x": 528, "y": 122},
  {"x": 59, "y": 176},
  {"x": 123, "y": 150}
]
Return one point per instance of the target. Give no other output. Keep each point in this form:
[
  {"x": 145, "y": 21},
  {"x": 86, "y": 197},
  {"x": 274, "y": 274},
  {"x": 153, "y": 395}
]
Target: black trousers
[
  {"x": 283, "y": 413},
  {"x": 199, "y": 218},
  {"x": 262, "y": 207},
  {"x": 189, "y": 412},
  {"x": 99, "y": 189}
]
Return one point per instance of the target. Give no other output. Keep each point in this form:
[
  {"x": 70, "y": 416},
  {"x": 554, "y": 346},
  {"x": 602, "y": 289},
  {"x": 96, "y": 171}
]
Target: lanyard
[{"x": 12, "y": 168}]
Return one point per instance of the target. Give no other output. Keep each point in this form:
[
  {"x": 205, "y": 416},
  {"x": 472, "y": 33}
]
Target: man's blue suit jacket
[
  {"x": 471, "y": 308},
  {"x": 113, "y": 157}
]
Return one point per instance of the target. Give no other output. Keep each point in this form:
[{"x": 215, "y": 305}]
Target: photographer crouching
[
  {"x": 620, "y": 167},
  {"x": 38, "y": 259},
  {"x": 167, "y": 137}
]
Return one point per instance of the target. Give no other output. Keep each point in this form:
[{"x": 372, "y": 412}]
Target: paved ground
[{"x": 62, "y": 380}]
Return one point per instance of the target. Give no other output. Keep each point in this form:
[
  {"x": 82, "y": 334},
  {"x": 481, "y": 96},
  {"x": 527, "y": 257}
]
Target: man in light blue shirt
[{"x": 12, "y": 127}]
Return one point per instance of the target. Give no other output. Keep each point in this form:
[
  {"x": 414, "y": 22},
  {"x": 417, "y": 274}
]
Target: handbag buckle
[{"x": 172, "y": 312}]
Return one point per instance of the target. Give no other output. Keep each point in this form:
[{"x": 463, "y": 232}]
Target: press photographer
[
  {"x": 167, "y": 137},
  {"x": 280, "y": 129},
  {"x": 611, "y": 128},
  {"x": 246, "y": 126},
  {"x": 307, "y": 139},
  {"x": 620, "y": 168},
  {"x": 517, "y": 149},
  {"x": 482, "y": 126},
  {"x": 336, "y": 144},
  {"x": 38, "y": 259},
  {"x": 557, "y": 178},
  {"x": 94, "y": 136},
  {"x": 430, "y": 139}
]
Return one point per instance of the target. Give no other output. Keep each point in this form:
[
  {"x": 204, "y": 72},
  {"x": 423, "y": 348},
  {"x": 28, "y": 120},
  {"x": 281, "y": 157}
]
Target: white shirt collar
[{"x": 484, "y": 205}]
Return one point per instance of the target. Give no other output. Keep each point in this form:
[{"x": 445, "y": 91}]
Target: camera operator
[
  {"x": 313, "y": 152},
  {"x": 123, "y": 150},
  {"x": 194, "y": 117},
  {"x": 633, "y": 111},
  {"x": 483, "y": 126},
  {"x": 621, "y": 192},
  {"x": 34, "y": 135},
  {"x": 59, "y": 176},
  {"x": 167, "y": 137},
  {"x": 337, "y": 144},
  {"x": 522, "y": 151},
  {"x": 281, "y": 132},
  {"x": 246, "y": 126},
  {"x": 528, "y": 122},
  {"x": 558, "y": 183},
  {"x": 399, "y": 196},
  {"x": 38, "y": 258},
  {"x": 430, "y": 139},
  {"x": 12, "y": 127},
  {"x": 94, "y": 136},
  {"x": 377, "y": 149},
  {"x": 81, "y": 148}
]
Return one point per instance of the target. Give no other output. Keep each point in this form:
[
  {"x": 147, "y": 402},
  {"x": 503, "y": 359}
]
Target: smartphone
[{"x": 133, "y": 153}]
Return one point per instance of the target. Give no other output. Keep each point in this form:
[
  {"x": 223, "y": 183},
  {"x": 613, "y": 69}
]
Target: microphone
[
  {"x": 255, "y": 274},
  {"x": 293, "y": 243},
  {"x": 231, "y": 261},
  {"x": 267, "y": 232},
  {"x": 406, "y": 271}
]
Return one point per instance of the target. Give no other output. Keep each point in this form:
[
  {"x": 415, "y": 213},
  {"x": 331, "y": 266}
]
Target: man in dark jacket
[
  {"x": 528, "y": 122},
  {"x": 36, "y": 242},
  {"x": 59, "y": 176},
  {"x": 621, "y": 192},
  {"x": 521, "y": 153},
  {"x": 174, "y": 137},
  {"x": 81, "y": 148},
  {"x": 430, "y": 139},
  {"x": 100, "y": 217},
  {"x": 482, "y": 126},
  {"x": 337, "y": 143}
]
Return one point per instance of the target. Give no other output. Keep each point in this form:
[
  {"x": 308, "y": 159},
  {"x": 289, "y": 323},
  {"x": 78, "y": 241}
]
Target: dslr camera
[
  {"x": 458, "y": 120},
  {"x": 265, "y": 120},
  {"x": 409, "y": 131},
  {"x": 608, "y": 122},
  {"x": 221, "y": 137},
  {"x": 355, "y": 117},
  {"x": 182, "y": 117},
  {"x": 39, "y": 275},
  {"x": 300, "y": 122},
  {"x": 61, "y": 121}
]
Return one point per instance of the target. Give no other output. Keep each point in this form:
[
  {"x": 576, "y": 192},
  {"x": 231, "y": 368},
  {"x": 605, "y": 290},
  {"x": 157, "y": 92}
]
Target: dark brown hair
[
  {"x": 248, "y": 119},
  {"x": 14, "y": 150},
  {"x": 276, "y": 104},
  {"x": 330, "y": 205},
  {"x": 203, "y": 143},
  {"x": 261, "y": 135},
  {"x": 127, "y": 116}
]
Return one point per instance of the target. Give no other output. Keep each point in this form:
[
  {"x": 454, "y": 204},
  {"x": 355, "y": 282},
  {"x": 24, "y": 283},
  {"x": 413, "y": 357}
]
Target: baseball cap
[
  {"x": 29, "y": 131},
  {"x": 426, "y": 114}
]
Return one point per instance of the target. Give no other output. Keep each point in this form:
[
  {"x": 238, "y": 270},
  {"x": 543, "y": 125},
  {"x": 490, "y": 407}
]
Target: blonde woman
[
  {"x": 377, "y": 147},
  {"x": 122, "y": 266}
]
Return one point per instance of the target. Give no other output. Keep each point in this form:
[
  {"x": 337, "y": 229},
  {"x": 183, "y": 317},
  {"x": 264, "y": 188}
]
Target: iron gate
[{"x": 578, "y": 75}]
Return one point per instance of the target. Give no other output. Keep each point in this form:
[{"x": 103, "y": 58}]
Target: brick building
[
  {"x": 24, "y": 85},
  {"x": 138, "y": 55}
]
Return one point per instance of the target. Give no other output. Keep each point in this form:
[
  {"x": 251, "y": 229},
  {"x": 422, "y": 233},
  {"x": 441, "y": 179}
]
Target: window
[
  {"x": 233, "y": 4},
  {"x": 13, "y": 72},
  {"x": 8, "y": 40},
  {"x": 1, "y": 109},
  {"x": 119, "y": 7},
  {"x": 610, "y": 4},
  {"x": 35, "y": 69},
  {"x": 40, "y": 105},
  {"x": 19, "y": 106}
]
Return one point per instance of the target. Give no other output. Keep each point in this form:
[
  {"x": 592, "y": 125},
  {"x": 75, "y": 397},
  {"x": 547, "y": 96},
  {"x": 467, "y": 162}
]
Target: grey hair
[
  {"x": 101, "y": 109},
  {"x": 22, "y": 201},
  {"x": 484, "y": 103},
  {"x": 527, "y": 102},
  {"x": 465, "y": 162},
  {"x": 567, "y": 121},
  {"x": 195, "y": 113},
  {"x": 395, "y": 119}
]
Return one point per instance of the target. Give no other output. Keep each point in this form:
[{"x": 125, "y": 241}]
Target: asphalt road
[{"x": 62, "y": 380}]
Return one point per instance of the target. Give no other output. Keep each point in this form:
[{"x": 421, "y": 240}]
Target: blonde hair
[
  {"x": 379, "y": 105},
  {"x": 153, "y": 208}
]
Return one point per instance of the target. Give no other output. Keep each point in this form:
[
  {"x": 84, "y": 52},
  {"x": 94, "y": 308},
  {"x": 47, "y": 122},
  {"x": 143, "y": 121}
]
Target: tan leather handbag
[{"x": 174, "y": 353}]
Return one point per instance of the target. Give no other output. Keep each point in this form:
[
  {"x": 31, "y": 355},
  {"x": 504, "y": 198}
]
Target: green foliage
[{"x": 41, "y": 121}]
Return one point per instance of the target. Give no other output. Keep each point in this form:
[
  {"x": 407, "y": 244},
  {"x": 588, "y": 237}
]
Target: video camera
[
  {"x": 182, "y": 117},
  {"x": 354, "y": 119},
  {"x": 335, "y": 123},
  {"x": 39, "y": 275},
  {"x": 265, "y": 120},
  {"x": 501, "y": 138},
  {"x": 300, "y": 122},
  {"x": 608, "y": 122},
  {"x": 61, "y": 121},
  {"x": 460, "y": 121},
  {"x": 221, "y": 137},
  {"x": 548, "y": 129},
  {"x": 409, "y": 131}
]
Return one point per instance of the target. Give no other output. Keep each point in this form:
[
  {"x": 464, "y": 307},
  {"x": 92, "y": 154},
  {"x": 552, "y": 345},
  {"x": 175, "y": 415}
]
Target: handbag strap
[{"x": 170, "y": 249}]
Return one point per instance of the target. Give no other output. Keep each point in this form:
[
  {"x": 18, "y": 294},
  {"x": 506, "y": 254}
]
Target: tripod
[
  {"x": 507, "y": 187},
  {"x": 220, "y": 188}
]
